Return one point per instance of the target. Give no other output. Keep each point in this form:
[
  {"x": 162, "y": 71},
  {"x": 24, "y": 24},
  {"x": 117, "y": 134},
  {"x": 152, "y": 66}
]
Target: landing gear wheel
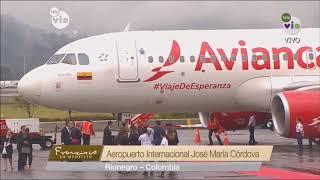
[{"x": 270, "y": 125}]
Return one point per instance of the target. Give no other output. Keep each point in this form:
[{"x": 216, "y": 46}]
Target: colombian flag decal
[{"x": 84, "y": 76}]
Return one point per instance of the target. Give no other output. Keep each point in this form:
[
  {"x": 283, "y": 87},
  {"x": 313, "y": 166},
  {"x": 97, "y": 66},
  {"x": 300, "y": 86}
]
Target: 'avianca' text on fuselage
[{"x": 261, "y": 58}]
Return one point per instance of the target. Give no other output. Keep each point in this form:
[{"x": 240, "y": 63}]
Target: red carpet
[{"x": 281, "y": 174}]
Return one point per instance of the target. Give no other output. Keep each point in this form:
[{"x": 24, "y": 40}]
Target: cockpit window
[
  {"x": 70, "y": 59},
  {"x": 55, "y": 59},
  {"x": 83, "y": 59}
]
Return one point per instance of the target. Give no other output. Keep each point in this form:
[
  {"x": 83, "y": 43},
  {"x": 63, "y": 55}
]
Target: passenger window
[
  {"x": 275, "y": 57},
  {"x": 212, "y": 58},
  {"x": 171, "y": 59},
  {"x": 192, "y": 59},
  {"x": 150, "y": 59},
  {"x": 161, "y": 60},
  {"x": 254, "y": 57},
  {"x": 55, "y": 59},
  {"x": 70, "y": 59},
  {"x": 244, "y": 58},
  {"x": 311, "y": 56},
  {"x": 264, "y": 57},
  {"x": 202, "y": 58},
  {"x": 83, "y": 59},
  {"x": 233, "y": 58},
  {"x": 182, "y": 59},
  {"x": 223, "y": 58}
]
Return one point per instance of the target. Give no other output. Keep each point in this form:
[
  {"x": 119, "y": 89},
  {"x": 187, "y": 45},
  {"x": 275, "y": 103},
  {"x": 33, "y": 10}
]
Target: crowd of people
[
  {"x": 81, "y": 132},
  {"x": 130, "y": 135},
  {"x": 77, "y": 133},
  {"x": 216, "y": 129},
  {"x": 24, "y": 147}
]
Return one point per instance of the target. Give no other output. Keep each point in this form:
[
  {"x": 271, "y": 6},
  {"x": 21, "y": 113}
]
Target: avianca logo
[
  {"x": 172, "y": 58},
  {"x": 262, "y": 59}
]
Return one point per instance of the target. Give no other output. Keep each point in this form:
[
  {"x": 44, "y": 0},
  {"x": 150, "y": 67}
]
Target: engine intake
[{"x": 286, "y": 107}]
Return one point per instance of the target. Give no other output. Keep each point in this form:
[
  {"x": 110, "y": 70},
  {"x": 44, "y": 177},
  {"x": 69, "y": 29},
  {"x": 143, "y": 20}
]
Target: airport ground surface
[{"x": 285, "y": 161}]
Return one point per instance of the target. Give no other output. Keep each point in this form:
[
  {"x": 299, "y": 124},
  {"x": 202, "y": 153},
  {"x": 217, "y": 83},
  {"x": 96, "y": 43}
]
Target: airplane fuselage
[{"x": 178, "y": 71}]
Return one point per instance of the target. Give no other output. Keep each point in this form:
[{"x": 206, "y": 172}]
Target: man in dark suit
[
  {"x": 20, "y": 141},
  {"x": 158, "y": 130},
  {"x": 65, "y": 134},
  {"x": 107, "y": 135}
]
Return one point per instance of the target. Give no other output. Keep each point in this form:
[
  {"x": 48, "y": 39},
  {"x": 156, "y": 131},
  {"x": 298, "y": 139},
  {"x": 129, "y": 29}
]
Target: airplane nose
[{"x": 29, "y": 87}]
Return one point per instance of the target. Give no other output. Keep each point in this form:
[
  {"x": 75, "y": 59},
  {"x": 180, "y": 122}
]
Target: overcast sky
[{"x": 102, "y": 17}]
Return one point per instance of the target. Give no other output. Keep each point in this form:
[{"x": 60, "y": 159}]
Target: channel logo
[
  {"x": 291, "y": 24},
  {"x": 59, "y": 18}
]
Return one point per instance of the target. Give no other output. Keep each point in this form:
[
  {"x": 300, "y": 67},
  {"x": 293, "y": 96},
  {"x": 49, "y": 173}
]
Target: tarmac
[{"x": 286, "y": 161}]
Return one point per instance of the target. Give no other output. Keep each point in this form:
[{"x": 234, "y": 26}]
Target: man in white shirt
[
  {"x": 299, "y": 132},
  {"x": 164, "y": 142},
  {"x": 251, "y": 125},
  {"x": 146, "y": 140}
]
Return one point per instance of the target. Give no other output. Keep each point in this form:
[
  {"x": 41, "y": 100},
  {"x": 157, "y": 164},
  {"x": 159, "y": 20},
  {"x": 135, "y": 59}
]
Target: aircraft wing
[{"x": 303, "y": 86}]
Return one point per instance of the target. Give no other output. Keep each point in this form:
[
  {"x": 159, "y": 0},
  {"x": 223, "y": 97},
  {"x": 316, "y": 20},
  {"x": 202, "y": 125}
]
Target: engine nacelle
[
  {"x": 234, "y": 120},
  {"x": 286, "y": 107}
]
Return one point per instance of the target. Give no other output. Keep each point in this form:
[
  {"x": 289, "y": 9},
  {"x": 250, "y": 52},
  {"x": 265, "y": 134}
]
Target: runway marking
[{"x": 281, "y": 174}]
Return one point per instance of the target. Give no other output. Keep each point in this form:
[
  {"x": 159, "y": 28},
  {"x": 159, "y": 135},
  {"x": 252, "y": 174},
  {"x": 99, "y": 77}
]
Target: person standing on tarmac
[
  {"x": 300, "y": 133},
  {"x": 75, "y": 134},
  {"x": 107, "y": 134},
  {"x": 158, "y": 131},
  {"x": 65, "y": 134},
  {"x": 87, "y": 131},
  {"x": 29, "y": 156},
  {"x": 172, "y": 136},
  {"x": 123, "y": 138},
  {"x": 315, "y": 121},
  {"x": 146, "y": 139},
  {"x": 214, "y": 127},
  {"x": 134, "y": 136},
  {"x": 251, "y": 125},
  {"x": 7, "y": 150},
  {"x": 173, "y": 140},
  {"x": 127, "y": 125},
  {"x": 20, "y": 143},
  {"x": 164, "y": 142}
]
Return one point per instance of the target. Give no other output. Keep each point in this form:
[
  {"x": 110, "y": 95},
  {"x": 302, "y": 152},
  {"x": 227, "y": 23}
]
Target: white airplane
[{"x": 253, "y": 70}]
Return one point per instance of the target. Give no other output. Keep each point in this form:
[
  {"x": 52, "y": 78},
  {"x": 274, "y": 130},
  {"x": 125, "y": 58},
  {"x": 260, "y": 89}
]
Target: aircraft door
[{"x": 127, "y": 60}]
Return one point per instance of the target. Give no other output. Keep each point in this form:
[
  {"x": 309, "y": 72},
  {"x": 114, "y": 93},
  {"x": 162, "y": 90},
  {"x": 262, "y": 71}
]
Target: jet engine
[{"x": 286, "y": 107}]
